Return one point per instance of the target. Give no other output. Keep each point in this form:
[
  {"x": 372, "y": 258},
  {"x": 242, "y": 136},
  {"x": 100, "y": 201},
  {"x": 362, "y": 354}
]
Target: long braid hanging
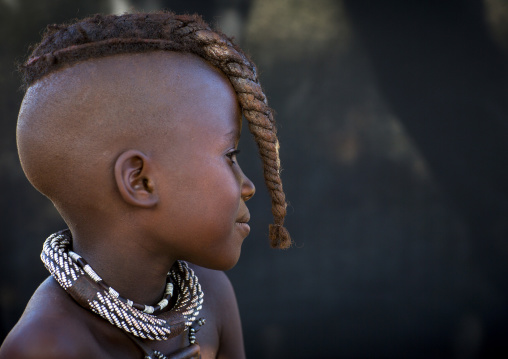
[{"x": 101, "y": 36}]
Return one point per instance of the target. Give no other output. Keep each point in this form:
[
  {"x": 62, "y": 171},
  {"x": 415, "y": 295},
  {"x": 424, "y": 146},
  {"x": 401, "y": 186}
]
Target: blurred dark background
[{"x": 393, "y": 120}]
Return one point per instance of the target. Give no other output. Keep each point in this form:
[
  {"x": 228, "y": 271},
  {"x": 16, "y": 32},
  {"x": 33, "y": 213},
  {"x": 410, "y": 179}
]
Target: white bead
[
  {"x": 74, "y": 256},
  {"x": 91, "y": 273},
  {"x": 163, "y": 303},
  {"x": 169, "y": 289},
  {"x": 148, "y": 309},
  {"x": 113, "y": 293}
]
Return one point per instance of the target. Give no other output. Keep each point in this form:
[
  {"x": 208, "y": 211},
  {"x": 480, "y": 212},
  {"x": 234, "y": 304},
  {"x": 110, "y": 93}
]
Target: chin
[
  {"x": 227, "y": 263},
  {"x": 229, "y": 266},
  {"x": 220, "y": 262}
]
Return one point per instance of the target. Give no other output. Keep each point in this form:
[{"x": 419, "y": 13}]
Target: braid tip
[{"x": 279, "y": 236}]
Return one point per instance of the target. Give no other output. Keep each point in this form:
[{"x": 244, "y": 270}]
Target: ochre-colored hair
[{"x": 100, "y": 36}]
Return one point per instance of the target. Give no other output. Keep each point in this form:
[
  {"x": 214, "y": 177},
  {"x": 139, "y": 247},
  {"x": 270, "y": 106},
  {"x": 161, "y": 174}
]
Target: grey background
[{"x": 393, "y": 122}]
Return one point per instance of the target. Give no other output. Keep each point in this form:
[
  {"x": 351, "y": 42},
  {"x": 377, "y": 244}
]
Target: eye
[{"x": 232, "y": 155}]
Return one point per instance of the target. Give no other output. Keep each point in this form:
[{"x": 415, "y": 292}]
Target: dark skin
[{"x": 145, "y": 171}]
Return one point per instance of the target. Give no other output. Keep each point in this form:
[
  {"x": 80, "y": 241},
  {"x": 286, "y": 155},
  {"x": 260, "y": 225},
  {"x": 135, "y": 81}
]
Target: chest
[{"x": 117, "y": 344}]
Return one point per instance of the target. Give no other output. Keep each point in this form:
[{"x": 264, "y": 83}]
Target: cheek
[
  {"x": 221, "y": 193},
  {"x": 209, "y": 193}
]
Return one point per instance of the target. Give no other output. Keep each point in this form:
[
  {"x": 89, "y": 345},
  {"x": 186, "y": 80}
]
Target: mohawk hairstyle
[{"x": 101, "y": 36}]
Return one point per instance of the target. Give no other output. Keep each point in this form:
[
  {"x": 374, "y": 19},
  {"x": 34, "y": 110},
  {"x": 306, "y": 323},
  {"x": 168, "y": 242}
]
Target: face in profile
[{"x": 202, "y": 189}]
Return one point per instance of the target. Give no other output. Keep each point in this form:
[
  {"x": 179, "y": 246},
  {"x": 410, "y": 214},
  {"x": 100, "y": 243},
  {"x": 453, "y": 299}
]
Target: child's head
[{"x": 121, "y": 114}]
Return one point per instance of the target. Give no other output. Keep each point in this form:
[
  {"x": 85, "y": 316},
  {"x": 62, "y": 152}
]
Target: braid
[{"x": 101, "y": 36}]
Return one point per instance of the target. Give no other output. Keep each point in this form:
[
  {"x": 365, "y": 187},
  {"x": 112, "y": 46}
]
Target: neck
[{"x": 126, "y": 262}]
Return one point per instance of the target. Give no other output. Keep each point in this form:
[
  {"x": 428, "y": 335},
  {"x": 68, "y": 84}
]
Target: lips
[
  {"x": 241, "y": 223},
  {"x": 244, "y": 219}
]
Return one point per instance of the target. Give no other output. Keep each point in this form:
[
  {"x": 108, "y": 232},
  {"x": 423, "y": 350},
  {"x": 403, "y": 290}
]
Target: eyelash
[{"x": 231, "y": 155}]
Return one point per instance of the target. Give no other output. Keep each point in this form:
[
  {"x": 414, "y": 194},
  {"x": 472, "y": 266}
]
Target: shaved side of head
[{"x": 75, "y": 122}]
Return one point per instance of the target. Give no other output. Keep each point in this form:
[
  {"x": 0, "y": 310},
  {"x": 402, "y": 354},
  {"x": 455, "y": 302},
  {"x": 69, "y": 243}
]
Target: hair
[{"x": 106, "y": 35}]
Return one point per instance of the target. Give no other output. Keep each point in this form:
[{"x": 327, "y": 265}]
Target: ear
[{"x": 134, "y": 179}]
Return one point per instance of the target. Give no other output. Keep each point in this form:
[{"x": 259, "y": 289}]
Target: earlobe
[{"x": 134, "y": 179}]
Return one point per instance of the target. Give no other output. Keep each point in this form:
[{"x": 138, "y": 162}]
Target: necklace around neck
[
  {"x": 168, "y": 293},
  {"x": 87, "y": 288}
]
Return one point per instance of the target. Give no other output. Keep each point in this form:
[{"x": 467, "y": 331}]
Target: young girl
[{"x": 130, "y": 126}]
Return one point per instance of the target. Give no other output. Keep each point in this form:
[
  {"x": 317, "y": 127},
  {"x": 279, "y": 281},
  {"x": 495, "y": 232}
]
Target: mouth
[
  {"x": 242, "y": 223},
  {"x": 243, "y": 219}
]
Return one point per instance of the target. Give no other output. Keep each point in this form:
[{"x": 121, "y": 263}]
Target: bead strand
[
  {"x": 168, "y": 293},
  {"x": 67, "y": 267}
]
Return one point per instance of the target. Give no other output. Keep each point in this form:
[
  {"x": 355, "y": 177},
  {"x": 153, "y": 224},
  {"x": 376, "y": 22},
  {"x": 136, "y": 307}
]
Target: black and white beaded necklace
[{"x": 78, "y": 279}]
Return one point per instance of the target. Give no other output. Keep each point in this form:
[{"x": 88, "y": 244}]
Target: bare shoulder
[
  {"x": 49, "y": 327},
  {"x": 221, "y": 312}
]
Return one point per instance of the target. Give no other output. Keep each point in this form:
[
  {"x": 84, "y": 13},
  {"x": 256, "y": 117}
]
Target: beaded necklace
[
  {"x": 168, "y": 293},
  {"x": 78, "y": 279}
]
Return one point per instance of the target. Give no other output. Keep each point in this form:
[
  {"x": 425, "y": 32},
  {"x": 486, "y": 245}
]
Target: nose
[{"x": 248, "y": 188}]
